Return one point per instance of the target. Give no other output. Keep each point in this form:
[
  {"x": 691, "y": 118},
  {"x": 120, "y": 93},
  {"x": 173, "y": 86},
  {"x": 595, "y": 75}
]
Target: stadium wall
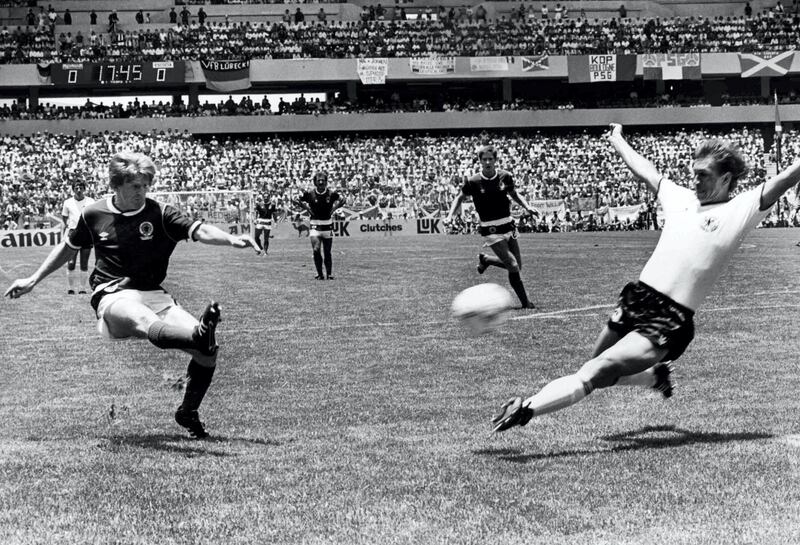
[{"x": 415, "y": 121}]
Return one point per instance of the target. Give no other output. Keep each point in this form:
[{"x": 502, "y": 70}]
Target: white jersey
[
  {"x": 698, "y": 241},
  {"x": 73, "y": 209}
]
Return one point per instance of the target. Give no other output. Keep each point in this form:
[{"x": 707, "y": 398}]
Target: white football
[{"x": 482, "y": 308}]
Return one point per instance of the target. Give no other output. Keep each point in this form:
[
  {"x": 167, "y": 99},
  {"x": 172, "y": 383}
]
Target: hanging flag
[
  {"x": 671, "y": 66},
  {"x": 226, "y": 76},
  {"x": 535, "y": 63},
  {"x": 44, "y": 72},
  {"x": 599, "y": 68},
  {"x": 777, "y": 64}
]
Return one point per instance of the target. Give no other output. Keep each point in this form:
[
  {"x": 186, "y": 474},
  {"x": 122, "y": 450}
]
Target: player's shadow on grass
[
  {"x": 649, "y": 437},
  {"x": 181, "y": 444}
]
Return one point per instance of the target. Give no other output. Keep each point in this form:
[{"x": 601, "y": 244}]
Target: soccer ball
[{"x": 482, "y": 308}]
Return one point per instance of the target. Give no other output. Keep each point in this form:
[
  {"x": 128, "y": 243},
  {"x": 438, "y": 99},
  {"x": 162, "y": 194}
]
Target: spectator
[
  {"x": 201, "y": 16},
  {"x": 140, "y": 17},
  {"x": 748, "y": 10},
  {"x": 623, "y": 13},
  {"x": 298, "y": 16},
  {"x": 173, "y": 16},
  {"x": 67, "y": 17},
  {"x": 93, "y": 18}
]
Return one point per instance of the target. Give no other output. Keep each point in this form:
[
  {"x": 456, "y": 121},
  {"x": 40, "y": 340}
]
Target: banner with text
[
  {"x": 600, "y": 68},
  {"x": 430, "y": 66},
  {"x": 373, "y": 71},
  {"x": 366, "y": 228},
  {"x": 489, "y": 64},
  {"x": 226, "y": 76},
  {"x": 30, "y": 238},
  {"x": 669, "y": 66}
]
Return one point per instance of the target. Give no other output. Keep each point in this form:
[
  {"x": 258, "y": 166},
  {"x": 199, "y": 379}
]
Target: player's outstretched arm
[
  {"x": 641, "y": 167},
  {"x": 523, "y": 203},
  {"x": 54, "y": 261},
  {"x": 453, "y": 207},
  {"x": 209, "y": 234},
  {"x": 779, "y": 184}
]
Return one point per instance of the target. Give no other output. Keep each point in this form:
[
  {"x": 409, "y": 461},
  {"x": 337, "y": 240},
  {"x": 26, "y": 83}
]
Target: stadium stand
[{"x": 496, "y": 58}]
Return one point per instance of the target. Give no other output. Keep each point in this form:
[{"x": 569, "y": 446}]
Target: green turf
[{"x": 356, "y": 411}]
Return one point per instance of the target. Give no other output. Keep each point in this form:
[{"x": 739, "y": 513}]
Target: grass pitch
[{"x": 356, "y": 411}]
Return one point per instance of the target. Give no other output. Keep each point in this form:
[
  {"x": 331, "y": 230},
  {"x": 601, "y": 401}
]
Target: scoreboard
[{"x": 144, "y": 73}]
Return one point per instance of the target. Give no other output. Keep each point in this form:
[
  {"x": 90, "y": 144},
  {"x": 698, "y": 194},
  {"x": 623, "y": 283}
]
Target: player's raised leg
[{"x": 630, "y": 355}]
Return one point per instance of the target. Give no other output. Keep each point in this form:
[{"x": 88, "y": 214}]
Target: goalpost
[{"x": 232, "y": 211}]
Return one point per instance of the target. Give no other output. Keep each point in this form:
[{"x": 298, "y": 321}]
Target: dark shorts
[{"x": 656, "y": 317}]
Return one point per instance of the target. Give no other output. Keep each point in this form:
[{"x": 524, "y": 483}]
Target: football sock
[
  {"x": 84, "y": 280},
  {"x": 71, "y": 279},
  {"x": 318, "y": 262},
  {"x": 645, "y": 378},
  {"x": 165, "y": 335},
  {"x": 493, "y": 260},
  {"x": 515, "y": 280},
  {"x": 199, "y": 379},
  {"x": 327, "y": 244},
  {"x": 265, "y": 246},
  {"x": 558, "y": 394}
]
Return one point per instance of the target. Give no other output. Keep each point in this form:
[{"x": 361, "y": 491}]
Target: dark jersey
[
  {"x": 131, "y": 246},
  {"x": 265, "y": 213},
  {"x": 321, "y": 204},
  {"x": 490, "y": 195}
]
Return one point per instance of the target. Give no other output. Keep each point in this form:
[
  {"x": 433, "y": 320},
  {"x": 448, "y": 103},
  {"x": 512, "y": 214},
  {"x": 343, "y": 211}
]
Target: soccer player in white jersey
[
  {"x": 70, "y": 214},
  {"x": 653, "y": 322},
  {"x": 133, "y": 238}
]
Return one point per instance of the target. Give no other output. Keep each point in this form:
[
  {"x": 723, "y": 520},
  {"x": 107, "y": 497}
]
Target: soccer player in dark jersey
[
  {"x": 133, "y": 238},
  {"x": 492, "y": 190},
  {"x": 320, "y": 203},
  {"x": 265, "y": 215}
]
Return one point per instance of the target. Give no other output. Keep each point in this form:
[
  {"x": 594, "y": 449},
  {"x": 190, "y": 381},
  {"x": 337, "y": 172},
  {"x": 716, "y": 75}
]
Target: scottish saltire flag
[
  {"x": 534, "y": 63},
  {"x": 599, "y": 68},
  {"x": 226, "y": 76},
  {"x": 765, "y": 64},
  {"x": 671, "y": 66}
]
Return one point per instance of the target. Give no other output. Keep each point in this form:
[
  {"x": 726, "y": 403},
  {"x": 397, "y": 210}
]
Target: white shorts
[
  {"x": 314, "y": 232},
  {"x": 158, "y": 301},
  {"x": 490, "y": 240}
]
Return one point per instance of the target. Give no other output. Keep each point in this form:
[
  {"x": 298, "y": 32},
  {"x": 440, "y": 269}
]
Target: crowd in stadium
[
  {"x": 412, "y": 172},
  {"x": 451, "y": 33},
  {"x": 338, "y": 104}
]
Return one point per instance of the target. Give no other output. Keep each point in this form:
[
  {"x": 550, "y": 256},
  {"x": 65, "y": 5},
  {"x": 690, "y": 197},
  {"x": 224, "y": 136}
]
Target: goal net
[{"x": 231, "y": 211}]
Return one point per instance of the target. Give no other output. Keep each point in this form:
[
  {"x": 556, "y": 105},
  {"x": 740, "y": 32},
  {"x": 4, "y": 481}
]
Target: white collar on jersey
[
  {"x": 496, "y": 174},
  {"x": 116, "y": 210}
]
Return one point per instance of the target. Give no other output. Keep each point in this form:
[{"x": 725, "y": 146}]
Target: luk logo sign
[
  {"x": 428, "y": 226},
  {"x": 340, "y": 228}
]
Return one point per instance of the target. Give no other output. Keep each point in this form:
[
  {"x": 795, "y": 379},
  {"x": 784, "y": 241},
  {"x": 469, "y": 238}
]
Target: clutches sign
[{"x": 30, "y": 238}]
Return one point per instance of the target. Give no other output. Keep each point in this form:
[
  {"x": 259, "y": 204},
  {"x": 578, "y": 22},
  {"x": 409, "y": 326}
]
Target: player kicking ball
[
  {"x": 653, "y": 322},
  {"x": 133, "y": 238}
]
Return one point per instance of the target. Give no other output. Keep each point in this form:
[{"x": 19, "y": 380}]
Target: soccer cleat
[
  {"x": 70, "y": 292},
  {"x": 319, "y": 277},
  {"x": 511, "y": 414},
  {"x": 82, "y": 292},
  {"x": 527, "y": 306},
  {"x": 191, "y": 421},
  {"x": 205, "y": 332},
  {"x": 663, "y": 383},
  {"x": 330, "y": 277},
  {"x": 482, "y": 266}
]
